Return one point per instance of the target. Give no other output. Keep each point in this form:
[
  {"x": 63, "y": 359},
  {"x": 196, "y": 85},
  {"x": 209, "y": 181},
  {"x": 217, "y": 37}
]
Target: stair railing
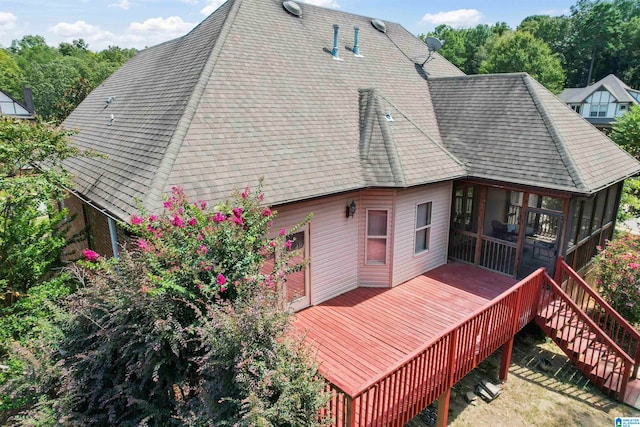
[
  {"x": 600, "y": 311},
  {"x": 553, "y": 293}
]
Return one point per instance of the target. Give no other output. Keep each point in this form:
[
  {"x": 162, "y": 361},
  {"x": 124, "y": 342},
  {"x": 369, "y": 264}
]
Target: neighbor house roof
[
  {"x": 616, "y": 87},
  {"x": 508, "y": 127},
  {"x": 254, "y": 92},
  {"x": 9, "y": 106}
]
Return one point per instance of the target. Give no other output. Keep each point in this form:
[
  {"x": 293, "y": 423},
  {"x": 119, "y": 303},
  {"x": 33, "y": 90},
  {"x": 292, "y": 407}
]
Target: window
[
  {"x": 623, "y": 107},
  {"x": 599, "y": 103},
  {"x": 423, "y": 227},
  {"x": 376, "y": 250},
  {"x": 576, "y": 108}
]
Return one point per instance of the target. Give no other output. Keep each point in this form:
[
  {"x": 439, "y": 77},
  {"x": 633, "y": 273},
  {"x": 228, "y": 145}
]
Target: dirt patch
[{"x": 560, "y": 396}]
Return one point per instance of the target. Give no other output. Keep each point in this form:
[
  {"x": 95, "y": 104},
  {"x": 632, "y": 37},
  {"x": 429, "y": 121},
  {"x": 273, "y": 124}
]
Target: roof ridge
[
  {"x": 152, "y": 201},
  {"x": 436, "y": 143},
  {"x": 479, "y": 76},
  {"x": 389, "y": 143},
  {"x": 564, "y": 153}
]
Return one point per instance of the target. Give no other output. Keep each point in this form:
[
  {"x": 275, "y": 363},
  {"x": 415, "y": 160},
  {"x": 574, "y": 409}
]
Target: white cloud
[
  {"x": 190, "y": 1},
  {"x": 77, "y": 29},
  {"x": 554, "y": 12},
  {"x": 460, "y": 18},
  {"x": 211, "y": 6},
  {"x": 7, "y": 20},
  {"x": 324, "y": 3},
  {"x": 172, "y": 24},
  {"x": 122, "y": 4}
]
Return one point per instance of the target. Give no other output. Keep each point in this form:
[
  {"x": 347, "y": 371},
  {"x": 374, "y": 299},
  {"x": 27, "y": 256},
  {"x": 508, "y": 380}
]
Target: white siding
[
  {"x": 406, "y": 265},
  {"x": 333, "y": 242},
  {"x": 375, "y": 275}
]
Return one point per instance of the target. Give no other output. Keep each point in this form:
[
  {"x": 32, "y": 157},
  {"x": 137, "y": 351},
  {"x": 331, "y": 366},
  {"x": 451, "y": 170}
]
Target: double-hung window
[
  {"x": 423, "y": 227},
  {"x": 376, "y": 250}
]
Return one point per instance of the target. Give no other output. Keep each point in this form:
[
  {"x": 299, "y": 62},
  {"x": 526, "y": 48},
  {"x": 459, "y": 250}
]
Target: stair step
[
  {"x": 559, "y": 319},
  {"x": 582, "y": 342},
  {"x": 552, "y": 308},
  {"x": 571, "y": 330},
  {"x": 602, "y": 371},
  {"x": 593, "y": 354},
  {"x": 614, "y": 382}
]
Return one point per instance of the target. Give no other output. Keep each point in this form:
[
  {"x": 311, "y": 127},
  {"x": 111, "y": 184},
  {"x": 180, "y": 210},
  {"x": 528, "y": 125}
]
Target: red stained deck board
[{"x": 367, "y": 331}]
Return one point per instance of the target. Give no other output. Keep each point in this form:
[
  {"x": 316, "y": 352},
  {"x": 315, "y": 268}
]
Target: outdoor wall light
[{"x": 351, "y": 209}]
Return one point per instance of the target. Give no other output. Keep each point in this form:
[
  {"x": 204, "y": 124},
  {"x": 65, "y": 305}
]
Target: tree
[
  {"x": 626, "y": 133},
  {"x": 31, "y": 178},
  {"x": 11, "y": 75},
  {"x": 520, "y": 51}
]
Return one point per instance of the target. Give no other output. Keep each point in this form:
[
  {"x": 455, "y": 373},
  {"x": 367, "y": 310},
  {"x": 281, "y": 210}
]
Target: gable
[{"x": 11, "y": 107}]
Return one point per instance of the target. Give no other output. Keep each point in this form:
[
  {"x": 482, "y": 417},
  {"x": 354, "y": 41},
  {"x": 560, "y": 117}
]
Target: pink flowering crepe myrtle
[{"x": 90, "y": 255}]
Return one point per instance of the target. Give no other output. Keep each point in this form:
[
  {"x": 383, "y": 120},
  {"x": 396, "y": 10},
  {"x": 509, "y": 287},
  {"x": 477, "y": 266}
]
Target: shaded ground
[{"x": 531, "y": 397}]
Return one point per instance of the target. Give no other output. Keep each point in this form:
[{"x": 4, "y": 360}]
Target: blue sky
[{"x": 140, "y": 23}]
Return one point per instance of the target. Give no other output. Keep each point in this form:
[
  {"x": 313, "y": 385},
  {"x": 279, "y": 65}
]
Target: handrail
[
  {"x": 606, "y": 339},
  {"x": 381, "y": 377},
  {"x": 619, "y": 328},
  {"x": 610, "y": 310},
  {"x": 587, "y": 319}
]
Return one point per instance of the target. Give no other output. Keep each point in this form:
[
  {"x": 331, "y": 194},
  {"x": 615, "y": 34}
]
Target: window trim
[
  {"x": 367, "y": 237},
  {"x": 427, "y": 227}
]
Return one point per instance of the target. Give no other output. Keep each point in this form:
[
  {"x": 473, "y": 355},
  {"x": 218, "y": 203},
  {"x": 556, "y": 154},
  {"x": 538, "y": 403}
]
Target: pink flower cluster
[{"x": 90, "y": 255}]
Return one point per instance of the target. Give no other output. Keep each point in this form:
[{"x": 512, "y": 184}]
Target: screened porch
[{"x": 515, "y": 231}]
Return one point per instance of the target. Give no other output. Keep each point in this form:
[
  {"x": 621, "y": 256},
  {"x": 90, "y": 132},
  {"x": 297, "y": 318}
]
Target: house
[
  {"x": 602, "y": 102},
  {"x": 10, "y": 107},
  {"x": 405, "y": 162}
]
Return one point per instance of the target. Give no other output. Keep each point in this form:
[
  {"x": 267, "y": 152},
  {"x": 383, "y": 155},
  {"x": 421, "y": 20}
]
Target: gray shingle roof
[
  {"x": 221, "y": 107},
  {"x": 508, "y": 127},
  {"x": 253, "y": 92},
  {"x": 615, "y": 86}
]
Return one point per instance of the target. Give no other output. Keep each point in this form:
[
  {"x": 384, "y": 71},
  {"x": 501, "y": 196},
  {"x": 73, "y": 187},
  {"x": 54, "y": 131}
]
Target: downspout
[{"x": 114, "y": 237}]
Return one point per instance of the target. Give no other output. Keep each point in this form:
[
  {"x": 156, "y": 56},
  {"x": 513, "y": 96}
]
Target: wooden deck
[{"x": 368, "y": 332}]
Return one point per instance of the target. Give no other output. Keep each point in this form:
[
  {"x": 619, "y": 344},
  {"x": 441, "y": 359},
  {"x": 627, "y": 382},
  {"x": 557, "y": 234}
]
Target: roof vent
[
  {"x": 292, "y": 7},
  {"x": 379, "y": 25}
]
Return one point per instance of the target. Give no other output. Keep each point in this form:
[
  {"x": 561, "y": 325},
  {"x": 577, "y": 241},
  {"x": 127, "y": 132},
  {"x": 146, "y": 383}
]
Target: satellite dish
[{"x": 434, "y": 44}]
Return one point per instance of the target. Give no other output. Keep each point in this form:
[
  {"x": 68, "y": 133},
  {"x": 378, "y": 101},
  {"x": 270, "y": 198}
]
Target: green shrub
[
  {"x": 619, "y": 276},
  {"x": 185, "y": 328}
]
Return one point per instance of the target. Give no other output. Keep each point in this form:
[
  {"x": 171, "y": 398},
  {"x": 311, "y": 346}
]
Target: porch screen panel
[
  {"x": 376, "y": 236},
  {"x": 609, "y": 212}
]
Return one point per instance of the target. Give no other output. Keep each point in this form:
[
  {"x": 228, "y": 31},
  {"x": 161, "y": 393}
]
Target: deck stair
[{"x": 594, "y": 337}]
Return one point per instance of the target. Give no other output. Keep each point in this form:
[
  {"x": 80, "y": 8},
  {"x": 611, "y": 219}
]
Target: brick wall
[
  {"x": 76, "y": 235},
  {"x": 89, "y": 229}
]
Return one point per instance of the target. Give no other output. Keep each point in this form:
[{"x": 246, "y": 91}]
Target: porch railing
[
  {"x": 399, "y": 394},
  {"x": 609, "y": 320},
  {"x": 462, "y": 246},
  {"x": 498, "y": 255}
]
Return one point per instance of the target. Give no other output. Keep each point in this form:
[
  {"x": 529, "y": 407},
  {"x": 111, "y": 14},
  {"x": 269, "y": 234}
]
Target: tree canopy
[
  {"x": 521, "y": 51},
  {"x": 60, "y": 77},
  {"x": 595, "y": 39}
]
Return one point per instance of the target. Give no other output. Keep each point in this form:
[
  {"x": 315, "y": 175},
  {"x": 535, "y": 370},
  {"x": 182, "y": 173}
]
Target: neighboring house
[
  {"x": 13, "y": 108},
  {"x": 491, "y": 170},
  {"x": 602, "y": 102}
]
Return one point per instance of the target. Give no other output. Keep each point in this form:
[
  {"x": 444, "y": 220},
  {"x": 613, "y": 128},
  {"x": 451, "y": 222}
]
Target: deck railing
[
  {"x": 498, "y": 255},
  {"x": 607, "y": 366},
  {"x": 462, "y": 245},
  {"x": 401, "y": 393},
  {"x": 609, "y": 320}
]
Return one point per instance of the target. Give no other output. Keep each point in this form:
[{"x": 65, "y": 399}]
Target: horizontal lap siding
[
  {"x": 333, "y": 242},
  {"x": 406, "y": 265},
  {"x": 375, "y": 275}
]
